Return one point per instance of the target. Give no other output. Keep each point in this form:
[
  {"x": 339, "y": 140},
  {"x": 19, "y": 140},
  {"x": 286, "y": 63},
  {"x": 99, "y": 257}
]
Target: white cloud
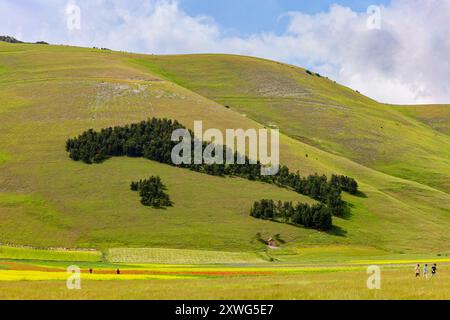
[{"x": 406, "y": 61}]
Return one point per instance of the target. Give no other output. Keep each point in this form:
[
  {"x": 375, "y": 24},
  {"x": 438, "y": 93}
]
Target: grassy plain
[
  {"x": 21, "y": 253},
  {"x": 397, "y": 283},
  {"x": 310, "y": 273},
  {"x": 263, "y": 281}
]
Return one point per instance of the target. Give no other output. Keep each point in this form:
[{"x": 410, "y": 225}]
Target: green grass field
[
  {"x": 314, "y": 278},
  {"x": 398, "y": 284},
  {"x": 20, "y": 253},
  {"x": 180, "y": 256},
  {"x": 399, "y": 155}
]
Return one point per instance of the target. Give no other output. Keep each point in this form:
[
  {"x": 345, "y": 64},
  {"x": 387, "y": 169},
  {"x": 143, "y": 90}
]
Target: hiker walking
[
  {"x": 425, "y": 271},
  {"x": 417, "y": 270},
  {"x": 433, "y": 270}
]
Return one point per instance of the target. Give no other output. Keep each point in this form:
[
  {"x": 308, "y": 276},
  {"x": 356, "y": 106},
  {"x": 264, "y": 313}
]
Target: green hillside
[
  {"x": 51, "y": 93},
  {"x": 317, "y": 111},
  {"x": 435, "y": 116}
]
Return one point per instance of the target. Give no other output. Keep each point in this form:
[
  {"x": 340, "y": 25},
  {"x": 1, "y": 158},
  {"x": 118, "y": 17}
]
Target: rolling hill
[
  {"x": 51, "y": 93},
  {"x": 315, "y": 110}
]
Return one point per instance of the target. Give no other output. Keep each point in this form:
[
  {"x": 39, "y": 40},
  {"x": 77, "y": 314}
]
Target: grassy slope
[
  {"x": 47, "y": 200},
  {"x": 53, "y": 93},
  {"x": 317, "y": 111},
  {"x": 436, "y": 116}
]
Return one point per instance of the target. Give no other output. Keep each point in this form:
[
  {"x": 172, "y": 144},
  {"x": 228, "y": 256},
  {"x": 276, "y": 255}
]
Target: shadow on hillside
[
  {"x": 338, "y": 232},
  {"x": 360, "y": 194},
  {"x": 347, "y": 214}
]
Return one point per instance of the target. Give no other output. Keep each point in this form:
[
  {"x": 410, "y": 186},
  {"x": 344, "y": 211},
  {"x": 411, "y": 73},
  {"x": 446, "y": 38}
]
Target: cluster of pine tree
[
  {"x": 9, "y": 39},
  {"x": 152, "y": 192},
  {"x": 347, "y": 184},
  {"x": 318, "y": 216},
  {"x": 328, "y": 192},
  {"x": 152, "y": 139}
]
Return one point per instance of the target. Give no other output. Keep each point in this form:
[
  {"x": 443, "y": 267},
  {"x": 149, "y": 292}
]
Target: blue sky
[
  {"x": 251, "y": 16},
  {"x": 402, "y": 59}
]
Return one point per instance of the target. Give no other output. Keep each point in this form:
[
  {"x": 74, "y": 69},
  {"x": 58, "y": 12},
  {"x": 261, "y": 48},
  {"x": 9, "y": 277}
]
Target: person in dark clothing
[{"x": 433, "y": 270}]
